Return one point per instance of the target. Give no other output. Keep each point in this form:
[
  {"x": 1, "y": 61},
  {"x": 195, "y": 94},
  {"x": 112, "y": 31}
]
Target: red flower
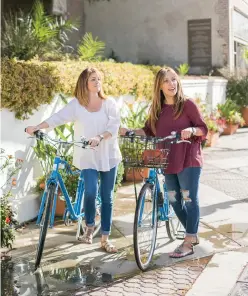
[{"x": 7, "y": 220}]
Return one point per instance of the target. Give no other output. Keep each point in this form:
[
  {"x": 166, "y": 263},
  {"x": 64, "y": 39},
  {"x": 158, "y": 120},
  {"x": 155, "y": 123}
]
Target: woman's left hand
[
  {"x": 186, "y": 133},
  {"x": 95, "y": 141}
]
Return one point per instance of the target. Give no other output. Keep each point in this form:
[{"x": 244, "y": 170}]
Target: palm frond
[
  {"x": 35, "y": 33},
  {"x": 90, "y": 48},
  {"x": 42, "y": 23}
]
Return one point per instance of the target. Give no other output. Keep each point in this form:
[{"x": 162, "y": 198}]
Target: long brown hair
[
  {"x": 159, "y": 98},
  {"x": 81, "y": 89}
]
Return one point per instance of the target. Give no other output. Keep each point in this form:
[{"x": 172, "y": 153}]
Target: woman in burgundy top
[{"x": 172, "y": 111}]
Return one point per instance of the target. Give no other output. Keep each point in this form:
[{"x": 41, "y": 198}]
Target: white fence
[{"x": 25, "y": 200}]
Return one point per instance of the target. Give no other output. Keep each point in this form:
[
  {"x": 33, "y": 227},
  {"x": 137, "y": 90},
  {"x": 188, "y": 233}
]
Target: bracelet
[{"x": 101, "y": 137}]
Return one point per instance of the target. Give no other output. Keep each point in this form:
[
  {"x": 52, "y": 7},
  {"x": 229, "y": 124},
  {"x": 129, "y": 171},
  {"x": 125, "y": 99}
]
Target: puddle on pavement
[
  {"x": 18, "y": 279},
  {"x": 226, "y": 234},
  {"x": 82, "y": 274}
]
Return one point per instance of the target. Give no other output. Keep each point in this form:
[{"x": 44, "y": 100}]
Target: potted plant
[
  {"x": 214, "y": 124},
  {"x": 70, "y": 181},
  {"x": 229, "y": 111},
  {"x": 213, "y": 133},
  {"x": 133, "y": 116},
  {"x": 237, "y": 90},
  {"x": 233, "y": 121}
]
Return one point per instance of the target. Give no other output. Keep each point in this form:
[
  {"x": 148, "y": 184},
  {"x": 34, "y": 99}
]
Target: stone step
[{"x": 220, "y": 275}]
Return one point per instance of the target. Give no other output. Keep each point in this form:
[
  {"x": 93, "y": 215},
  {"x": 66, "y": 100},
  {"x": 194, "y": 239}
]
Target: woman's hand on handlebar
[
  {"x": 31, "y": 129},
  {"x": 95, "y": 141},
  {"x": 123, "y": 131},
  {"x": 186, "y": 133}
]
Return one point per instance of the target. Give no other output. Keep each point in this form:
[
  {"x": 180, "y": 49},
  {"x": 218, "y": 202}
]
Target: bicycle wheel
[
  {"x": 173, "y": 225},
  {"x": 97, "y": 219},
  {"x": 145, "y": 226},
  {"x": 44, "y": 224}
]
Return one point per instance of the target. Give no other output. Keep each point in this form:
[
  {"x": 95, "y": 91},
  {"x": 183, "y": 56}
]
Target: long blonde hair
[
  {"x": 159, "y": 98},
  {"x": 81, "y": 89}
]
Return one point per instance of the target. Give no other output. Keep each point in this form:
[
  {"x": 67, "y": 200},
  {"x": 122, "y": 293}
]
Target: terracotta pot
[
  {"x": 42, "y": 186},
  {"x": 230, "y": 129},
  {"x": 212, "y": 138},
  {"x": 60, "y": 205},
  {"x": 139, "y": 174},
  {"x": 244, "y": 112}
]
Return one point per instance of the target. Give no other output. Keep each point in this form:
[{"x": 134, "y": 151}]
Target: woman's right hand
[
  {"x": 31, "y": 129},
  {"x": 123, "y": 131}
]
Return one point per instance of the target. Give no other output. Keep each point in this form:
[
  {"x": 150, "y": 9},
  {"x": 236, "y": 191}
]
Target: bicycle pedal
[{"x": 160, "y": 199}]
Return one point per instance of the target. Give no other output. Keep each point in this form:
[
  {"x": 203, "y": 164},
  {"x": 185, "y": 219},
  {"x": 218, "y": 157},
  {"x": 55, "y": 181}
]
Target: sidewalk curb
[{"x": 220, "y": 275}]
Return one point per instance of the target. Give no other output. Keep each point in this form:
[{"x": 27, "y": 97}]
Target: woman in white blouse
[{"x": 97, "y": 119}]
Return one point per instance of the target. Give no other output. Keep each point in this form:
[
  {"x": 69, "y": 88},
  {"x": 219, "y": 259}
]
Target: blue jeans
[
  {"x": 107, "y": 183},
  {"x": 183, "y": 195}
]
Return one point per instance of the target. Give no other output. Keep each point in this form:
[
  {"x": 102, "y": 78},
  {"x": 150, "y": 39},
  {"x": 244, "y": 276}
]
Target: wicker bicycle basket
[{"x": 141, "y": 151}]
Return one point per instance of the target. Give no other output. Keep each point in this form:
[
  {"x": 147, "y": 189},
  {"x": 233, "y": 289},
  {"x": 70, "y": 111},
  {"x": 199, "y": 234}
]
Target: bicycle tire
[
  {"x": 44, "y": 224},
  {"x": 172, "y": 230},
  {"x": 140, "y": 262}
]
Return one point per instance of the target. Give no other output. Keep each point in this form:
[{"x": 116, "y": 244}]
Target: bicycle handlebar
[
  {"x": 40, "y": 136},
  {"x": 174, "y": 137}
]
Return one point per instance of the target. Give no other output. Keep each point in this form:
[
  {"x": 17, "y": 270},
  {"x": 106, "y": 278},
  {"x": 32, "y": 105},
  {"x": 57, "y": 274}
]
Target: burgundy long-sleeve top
[{"x": 182, "y": 155}]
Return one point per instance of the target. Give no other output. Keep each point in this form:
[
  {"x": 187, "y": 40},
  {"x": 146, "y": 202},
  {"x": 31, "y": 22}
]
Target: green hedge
[{"x": 27, "y": 85}]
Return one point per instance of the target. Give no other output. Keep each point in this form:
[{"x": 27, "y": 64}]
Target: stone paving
[
  {"x": 241, "y": 287},
  {"x": 174, "y": 280}
]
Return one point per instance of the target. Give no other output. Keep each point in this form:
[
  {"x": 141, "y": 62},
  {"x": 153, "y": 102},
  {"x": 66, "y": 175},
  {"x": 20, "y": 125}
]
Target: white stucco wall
[
  {"x": 15, "y": 141},
  {"x": 211, "y": 90},
  {"x": 154, "y": 31}
]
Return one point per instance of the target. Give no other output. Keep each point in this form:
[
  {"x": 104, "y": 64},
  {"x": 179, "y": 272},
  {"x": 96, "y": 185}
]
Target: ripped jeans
[{"x": 183, "y": 195}]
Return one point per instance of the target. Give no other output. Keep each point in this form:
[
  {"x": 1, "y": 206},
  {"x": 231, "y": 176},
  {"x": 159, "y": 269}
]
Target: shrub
[
  {"x": 237, "y": 90},
  {"x": 9, "y": 168},
  {"x": 28, "y": 85}
]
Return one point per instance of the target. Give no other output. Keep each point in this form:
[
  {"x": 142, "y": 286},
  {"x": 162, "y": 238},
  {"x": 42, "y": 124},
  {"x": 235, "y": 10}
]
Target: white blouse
[{"x": 90, "y": 124}]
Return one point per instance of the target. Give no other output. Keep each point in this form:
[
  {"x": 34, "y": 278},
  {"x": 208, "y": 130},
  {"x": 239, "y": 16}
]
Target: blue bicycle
[
  {"x": 153, "y": 205},
  {"x": 74, "y": 211}
]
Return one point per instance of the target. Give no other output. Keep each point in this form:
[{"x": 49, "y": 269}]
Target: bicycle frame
[
  {"x": 164, "y": 210},
  {"x": 56, "y": 178}
]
